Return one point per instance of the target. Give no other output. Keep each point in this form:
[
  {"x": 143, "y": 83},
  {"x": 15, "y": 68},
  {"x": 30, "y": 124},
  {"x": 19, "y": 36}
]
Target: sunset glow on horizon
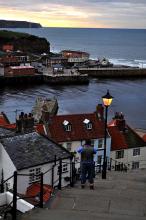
[{"x": 82, "y": 13}]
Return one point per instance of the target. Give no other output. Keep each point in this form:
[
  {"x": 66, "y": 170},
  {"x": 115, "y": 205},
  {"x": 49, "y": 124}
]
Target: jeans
[{"x": 87, "y": 172}]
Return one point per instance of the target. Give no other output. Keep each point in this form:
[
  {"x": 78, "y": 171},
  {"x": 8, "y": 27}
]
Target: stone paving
[{"x": 122, "y": 196}]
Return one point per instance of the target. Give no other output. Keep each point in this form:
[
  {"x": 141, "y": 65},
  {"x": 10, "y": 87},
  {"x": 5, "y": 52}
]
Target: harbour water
[
  {"x": 120, "y": 46},
  {"x": 129, "y": 98}
]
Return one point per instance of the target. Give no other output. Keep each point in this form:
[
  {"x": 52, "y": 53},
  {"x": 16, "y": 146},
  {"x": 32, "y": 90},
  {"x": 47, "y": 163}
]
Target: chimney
[
  {"x": 100, "y": 112},
  {"x": 120, "y": 121},
  {"x": 25, "y": 123}
]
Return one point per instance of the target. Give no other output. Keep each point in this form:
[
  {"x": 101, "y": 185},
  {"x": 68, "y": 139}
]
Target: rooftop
[
  {"x": 133, "y": 139},
  {"x": 78, "y": 130},
  {"x": 4, "y": 122},
  {"x": 118, "y": 141},
  {"x": 22, "y": 67},
  {"x": 32, "y": 149},
  {"x": 74, "y": 51},
  {"x": 123, "y": 136},
  {"x": 6, "y": 132}
]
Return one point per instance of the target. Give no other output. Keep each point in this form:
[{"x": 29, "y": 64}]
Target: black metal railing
[
  {"x": 74, "y": 176},
  {"x": 54, "y": 183}
]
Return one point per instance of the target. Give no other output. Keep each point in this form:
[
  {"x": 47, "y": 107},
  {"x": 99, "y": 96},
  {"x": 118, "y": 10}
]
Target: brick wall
[{"x": 20, "y": 71}]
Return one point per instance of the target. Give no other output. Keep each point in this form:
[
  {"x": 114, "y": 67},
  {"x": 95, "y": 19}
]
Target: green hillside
[{"x": 24, "y": 42}]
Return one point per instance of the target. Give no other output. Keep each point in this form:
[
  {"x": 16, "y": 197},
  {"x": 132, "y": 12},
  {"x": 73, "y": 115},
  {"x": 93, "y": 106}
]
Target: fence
[{"x": 55, "y": 183}]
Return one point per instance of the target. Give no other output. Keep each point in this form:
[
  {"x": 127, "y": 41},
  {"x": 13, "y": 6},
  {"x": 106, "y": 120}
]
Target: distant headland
[
  {"x": 24, "y": 42},
  {"x": 18, "y": 24}
]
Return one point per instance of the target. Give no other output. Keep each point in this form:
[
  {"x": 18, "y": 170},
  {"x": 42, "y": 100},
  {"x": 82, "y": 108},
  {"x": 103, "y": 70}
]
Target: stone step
[
  {"x": 122, "y": 196},
  {"x": 79, "y": 215}
]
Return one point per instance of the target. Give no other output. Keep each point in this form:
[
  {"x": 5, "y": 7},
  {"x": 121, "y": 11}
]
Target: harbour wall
[
  {"x": 66, "y": 79},
  {"x": 41, "y": 79},
  {"x": 21, "y": 80},
  {"x": 83, "y": 78},
  {"x": 114, "y": 72}
]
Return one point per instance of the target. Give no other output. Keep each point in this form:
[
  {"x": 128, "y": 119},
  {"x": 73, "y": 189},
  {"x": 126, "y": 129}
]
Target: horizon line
[{"x": 96, "y": 27}]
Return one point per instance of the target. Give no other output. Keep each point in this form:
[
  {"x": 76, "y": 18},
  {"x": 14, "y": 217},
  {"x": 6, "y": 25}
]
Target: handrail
[
  {"x": 74, "y": 176},
  {"x": 6, "y": 180}
]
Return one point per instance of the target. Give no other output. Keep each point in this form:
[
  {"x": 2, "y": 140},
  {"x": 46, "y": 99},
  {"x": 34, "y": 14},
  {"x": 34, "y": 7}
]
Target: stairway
[{"x": 122, "y": 196}]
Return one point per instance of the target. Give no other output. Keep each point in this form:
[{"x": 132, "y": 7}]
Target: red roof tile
[
  {"x": 118, "y": 141},
  {"x": 144, "y": 137},
  {"x": 9, "y": 126},
  {"x": 78, "y": 131},
  {"x": 34, "y": 190},
  {"x": 40, "y": 129},
  {"x": 4, "y": 122}
]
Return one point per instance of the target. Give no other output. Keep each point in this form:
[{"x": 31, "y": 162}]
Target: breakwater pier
[{"x": 114, "y": 72}]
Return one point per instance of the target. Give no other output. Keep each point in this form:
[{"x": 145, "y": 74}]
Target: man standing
[{"x": 87, "y": 163}]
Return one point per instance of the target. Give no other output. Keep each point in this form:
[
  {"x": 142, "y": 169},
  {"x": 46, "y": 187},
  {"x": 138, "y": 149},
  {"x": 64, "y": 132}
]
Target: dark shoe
[
  {"x": 82, "y": 186},
  {"x": 91, "y": 187}
]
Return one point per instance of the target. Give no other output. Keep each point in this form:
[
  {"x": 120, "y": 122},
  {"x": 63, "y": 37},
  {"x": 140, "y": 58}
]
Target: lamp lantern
[{"x": 107, "y": 99}]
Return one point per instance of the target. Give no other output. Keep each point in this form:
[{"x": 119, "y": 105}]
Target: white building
[
  {"x": 75, "y": 56},
  {"x": 31, "y": 154},
  {"x": 71, "y": 131},
  {"x": 127, "y": 146}
]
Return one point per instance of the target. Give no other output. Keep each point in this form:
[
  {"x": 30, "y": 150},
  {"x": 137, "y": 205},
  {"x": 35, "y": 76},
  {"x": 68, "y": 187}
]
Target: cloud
[{"x": 78, "y": 13}]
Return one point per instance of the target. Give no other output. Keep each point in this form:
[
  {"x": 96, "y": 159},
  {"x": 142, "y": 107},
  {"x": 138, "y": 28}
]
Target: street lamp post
[{"x": 107, "y": 100}]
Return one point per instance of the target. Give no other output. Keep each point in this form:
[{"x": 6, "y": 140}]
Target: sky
[{"x": 77, "y": 13}]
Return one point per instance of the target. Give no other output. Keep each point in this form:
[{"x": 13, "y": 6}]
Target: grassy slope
[{"x": 12, "y": 34}]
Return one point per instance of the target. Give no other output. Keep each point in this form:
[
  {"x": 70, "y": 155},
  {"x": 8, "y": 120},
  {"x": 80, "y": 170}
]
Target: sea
[{"x": 120, "y": 46}]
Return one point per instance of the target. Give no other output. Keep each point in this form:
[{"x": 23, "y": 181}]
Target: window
[
  {"x": 68, "y": 146},
  {"x": 68, "y": 127},
  {"x": 119, "y": 154},
  {"x": 136, "y": 151},
  {"x": 100, "y": 143},
  {"x": 88, "y": 124},
  {"x": 135, "y": 165},
  {"x": 34, "y": 175},
  {"x": 64, "y": 168}
]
